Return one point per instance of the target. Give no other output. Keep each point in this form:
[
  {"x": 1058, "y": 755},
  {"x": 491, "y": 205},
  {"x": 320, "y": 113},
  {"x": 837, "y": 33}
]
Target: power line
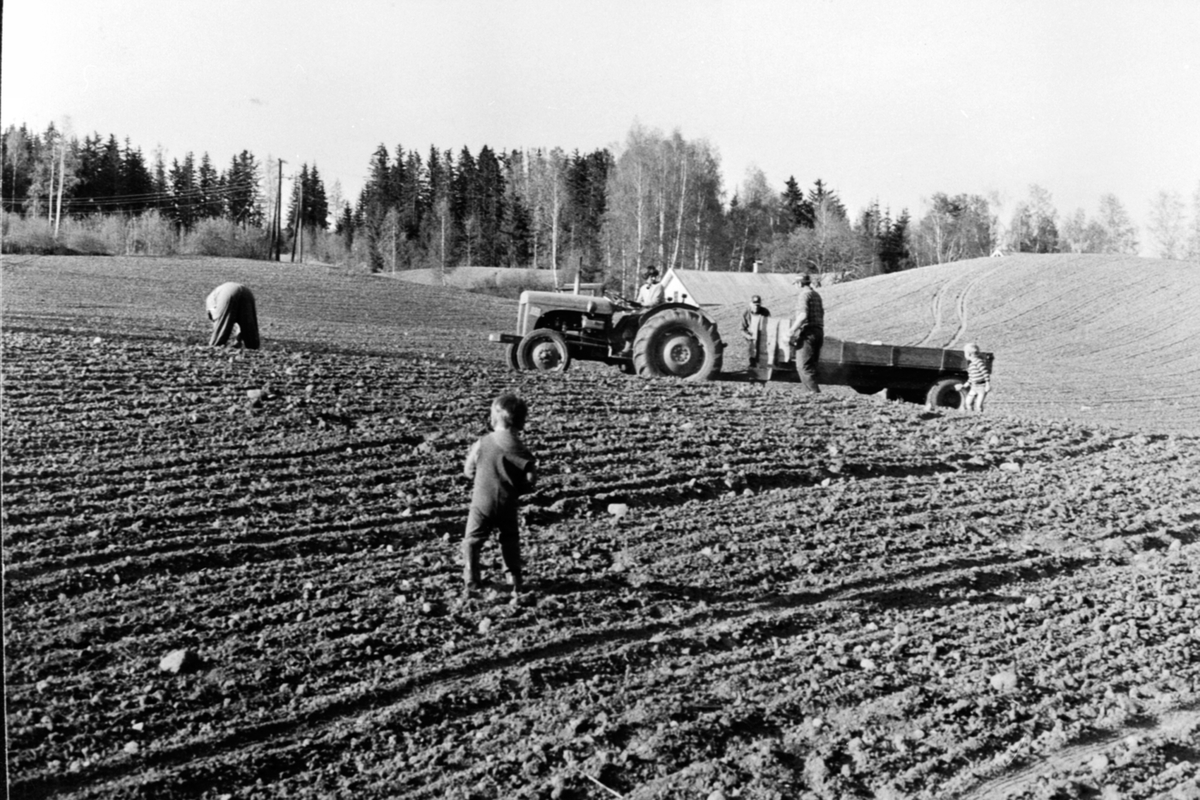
[{"x": 151, "y": 197}]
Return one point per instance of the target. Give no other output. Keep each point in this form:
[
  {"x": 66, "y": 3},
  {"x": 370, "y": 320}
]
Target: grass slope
[{"x": 1103, "y": 339}]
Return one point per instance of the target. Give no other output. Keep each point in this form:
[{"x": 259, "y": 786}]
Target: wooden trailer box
[{"x": 917, "y": 374}]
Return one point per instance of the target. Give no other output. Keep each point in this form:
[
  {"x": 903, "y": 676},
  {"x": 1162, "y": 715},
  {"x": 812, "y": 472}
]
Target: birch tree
[
  {"x": 1034, "y": 228},
  {"x": 1168, "y": 226},
  {"x": 755, "y": 218},
  {"x": 663, "y": 204},
  {"x": 44, "y": 155},
  {"x": 1073, "y": 233},
  {"x": 627, "y": 217},
  {"x": 954, "y": 228},
  {"x": 1119, "y": 231},
  {"x": 552, "y": 191},
  {"x": 707, "y": 231}
]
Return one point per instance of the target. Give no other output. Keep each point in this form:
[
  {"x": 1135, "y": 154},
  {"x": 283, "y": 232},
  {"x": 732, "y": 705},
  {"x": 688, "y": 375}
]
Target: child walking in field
[
  {"x": 979, "y": 380},
  {"x": 503, "y": 469}
]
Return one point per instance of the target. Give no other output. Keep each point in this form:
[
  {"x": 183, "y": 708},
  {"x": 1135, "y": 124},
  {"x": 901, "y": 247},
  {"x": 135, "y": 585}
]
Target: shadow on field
[{"x": 984, "y": 576}]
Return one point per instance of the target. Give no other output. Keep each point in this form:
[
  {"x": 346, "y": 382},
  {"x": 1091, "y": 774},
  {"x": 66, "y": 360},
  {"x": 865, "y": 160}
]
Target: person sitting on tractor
[{"x": 652, "y": 293}]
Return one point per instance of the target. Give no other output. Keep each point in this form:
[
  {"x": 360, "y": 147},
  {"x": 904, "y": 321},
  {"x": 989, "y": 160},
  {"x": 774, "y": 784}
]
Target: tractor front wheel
[
  {"x": 544, "y": 350},
  {"x": 678, "y": 343}
]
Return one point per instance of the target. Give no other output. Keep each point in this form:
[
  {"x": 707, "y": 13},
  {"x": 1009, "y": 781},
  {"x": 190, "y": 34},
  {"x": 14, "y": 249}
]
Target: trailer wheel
[
  {"x": 945, "y": 394},
  {"x": 544, "y": 350},
  {"x": 510, "y": 357},
  {"x": 867, "y": 389},
  {"x": 678, "y": 343}
]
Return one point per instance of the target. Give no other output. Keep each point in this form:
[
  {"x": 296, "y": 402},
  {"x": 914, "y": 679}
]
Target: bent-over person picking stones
[{"x": 228, "y": 305}]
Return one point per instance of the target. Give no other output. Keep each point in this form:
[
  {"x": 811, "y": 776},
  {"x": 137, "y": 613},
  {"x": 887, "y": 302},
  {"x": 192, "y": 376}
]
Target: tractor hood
[{"x": 545, "y": 302}]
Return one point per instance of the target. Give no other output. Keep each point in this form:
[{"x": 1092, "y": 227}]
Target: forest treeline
[{"x": 654, "y": 199}]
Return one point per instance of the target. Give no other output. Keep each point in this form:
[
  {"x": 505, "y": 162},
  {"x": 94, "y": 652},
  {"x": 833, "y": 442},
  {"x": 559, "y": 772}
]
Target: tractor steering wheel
[{"x": 623, "y": 301}]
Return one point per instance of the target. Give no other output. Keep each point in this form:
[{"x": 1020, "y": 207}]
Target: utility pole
[
  {"x": 62, "y": 175},
  {"x": 301, "y": 228},
  {"x": 50, "y": 198},
  {"x": 270, "y": 226},
  {"x": 299, "y": 216},
  {"x": 277, "y": 242}
]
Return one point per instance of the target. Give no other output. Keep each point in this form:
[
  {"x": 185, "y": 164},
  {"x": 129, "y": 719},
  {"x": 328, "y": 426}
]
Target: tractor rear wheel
[
  {"x": 678, "y": 343},
  {"x": 544, "y": 350},
  {"x": 867, "y": 389},
  {"x": 945, "y": 394}
]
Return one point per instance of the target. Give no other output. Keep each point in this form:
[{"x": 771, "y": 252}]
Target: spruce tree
[
  {"x": 798, "y": 208},
  {"x": 184, "y": 195},
  {"x": 208, "y": 185},
  {"x": 138, "y": 182},
  {"x": 316, "y": 204},
  {"x": 240, "y": 184}
]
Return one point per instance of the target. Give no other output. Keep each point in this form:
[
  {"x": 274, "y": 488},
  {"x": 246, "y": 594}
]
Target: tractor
[
  {"x": 680, "y": 341},
  {"x": 670, "y": 340}
]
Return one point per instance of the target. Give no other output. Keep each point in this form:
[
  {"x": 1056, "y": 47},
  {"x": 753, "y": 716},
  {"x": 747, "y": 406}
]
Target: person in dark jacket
[
  {"x": 808, "y": 332},
  {"x": 228, "y": 305},
  {"x": 503, "y": 469},
  {"x": 751, "y": 329}
]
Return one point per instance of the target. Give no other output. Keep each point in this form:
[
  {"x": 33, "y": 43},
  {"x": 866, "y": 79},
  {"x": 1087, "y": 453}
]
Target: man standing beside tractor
[
  {"x": 751, "y": 327},
  {"x": 807, "y": 333}
]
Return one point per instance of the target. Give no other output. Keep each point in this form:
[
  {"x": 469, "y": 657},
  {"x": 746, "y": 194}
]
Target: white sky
[{"x": 881, "y": 99}]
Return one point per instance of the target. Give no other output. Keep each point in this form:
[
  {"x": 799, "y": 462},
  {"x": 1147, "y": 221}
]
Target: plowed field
[{"x": 736, "y": 590}]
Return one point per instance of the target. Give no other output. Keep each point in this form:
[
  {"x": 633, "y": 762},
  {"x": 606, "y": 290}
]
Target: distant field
[
  {"x": 736, "y": 590},
  {"x": 1110, "y": 340},
  {"x": 164, "y": 297},
  {"x": 487, "y": 278}
]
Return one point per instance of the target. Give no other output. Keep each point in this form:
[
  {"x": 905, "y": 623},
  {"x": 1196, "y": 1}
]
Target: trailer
[{"x": 929, "y": 375}]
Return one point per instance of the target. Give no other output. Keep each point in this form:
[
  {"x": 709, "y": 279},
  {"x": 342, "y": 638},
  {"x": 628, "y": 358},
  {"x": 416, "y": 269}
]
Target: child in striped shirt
[{"x": 979, "y": 380}]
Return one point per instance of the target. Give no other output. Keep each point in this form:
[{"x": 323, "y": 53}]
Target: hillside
[
  {"x": 1099, "y": 339},
  {"x": 736, "y": 590}
]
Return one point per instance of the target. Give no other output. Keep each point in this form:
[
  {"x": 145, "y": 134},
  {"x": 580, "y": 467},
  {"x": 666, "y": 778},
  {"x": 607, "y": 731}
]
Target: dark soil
[{"x": 828, "y": 596}]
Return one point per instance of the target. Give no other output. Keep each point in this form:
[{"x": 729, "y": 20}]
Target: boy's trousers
[{"x": 479, "y": 526}]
